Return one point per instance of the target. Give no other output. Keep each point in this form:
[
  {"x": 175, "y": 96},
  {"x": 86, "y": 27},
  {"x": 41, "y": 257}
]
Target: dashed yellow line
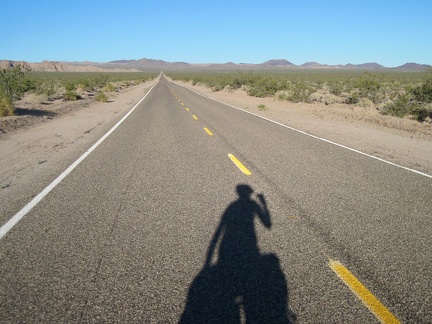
[
  {"x": 208, "y": 131},
  {"x": 371, "y": 302},
  {"x": 239, "y": 164},
  {"x": 182, "y": 104},
  {"x": 194, "y": 117},
  {"x": 187, "y": 109}
]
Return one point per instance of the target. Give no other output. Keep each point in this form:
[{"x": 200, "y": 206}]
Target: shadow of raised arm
[{"x": 264, "y": 213}]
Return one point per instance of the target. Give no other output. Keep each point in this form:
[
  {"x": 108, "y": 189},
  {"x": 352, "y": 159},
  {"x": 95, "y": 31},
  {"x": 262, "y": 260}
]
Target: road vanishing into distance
[{"x": 193, "y": 211}]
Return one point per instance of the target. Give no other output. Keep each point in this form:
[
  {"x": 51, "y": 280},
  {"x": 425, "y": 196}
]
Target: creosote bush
[
  {"x": 109, "y": 87},
  {"x": 423, "y": 93},
  {"x": 71, "y": 95},
  {"x": 399, "y": 107},
  {"x": 416, "y": 102},
  {"x": 14, "y": 82},
  {"x": 52, "y": 89},
  {"x": 6, "y": 106},
  {"x": 101, "y": 97}
]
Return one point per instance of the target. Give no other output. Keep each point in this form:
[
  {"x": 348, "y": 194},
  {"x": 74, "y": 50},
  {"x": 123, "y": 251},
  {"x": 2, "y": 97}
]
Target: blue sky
[{"x": 329, "y": 32}]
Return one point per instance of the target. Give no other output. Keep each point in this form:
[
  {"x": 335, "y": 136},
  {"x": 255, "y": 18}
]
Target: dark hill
[{"x": 277, "y": 63}]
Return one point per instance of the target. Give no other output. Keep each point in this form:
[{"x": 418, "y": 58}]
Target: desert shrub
[
  {"x": 6, "y": 106},
  {"x": 71, "y": 95},
  {"x": 218, "y": 87},
  {"x": 299, "y": 92},
  {"x": 14, "y": 82},
  {"x": 421, "y": 112},
  {"x": 98, "y": 81},
  {"x": 109, "y": 87},
  {"x": 101, "y": 97},
  {"x": 401, "y": 107},
  {"x": 415, "y": 101},
  {"x": 237, "y": 82},
  {"x": 47, "y": 87},
  {"x": 365, "y": 102},
  {"x": 263, "y": 87},
  {"x": 70, "y": 86},
  {"x": 84, "y": 85},
  {"x": 336, "y": 88},
  {"x": 324, "y": 97},
  {"x": 369, "y": 87},
  {"x": 92, "y": 83},
  {"x": 41, "y": 98},
  {"x": 282, "y": 95},
  {"x": 249, "y": 80},
  {"x": 262, "y": 107},
  {"x": 423, "y": 93},
  {"x": 353, "y": 98},
  {"x": 257, "y": 92}
]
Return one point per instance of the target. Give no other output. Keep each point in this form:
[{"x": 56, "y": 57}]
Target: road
[{"x": 159, "y": 223}]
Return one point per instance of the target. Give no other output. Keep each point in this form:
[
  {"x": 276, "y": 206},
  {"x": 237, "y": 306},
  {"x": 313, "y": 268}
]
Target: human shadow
[{"x": 242, "y": 283}]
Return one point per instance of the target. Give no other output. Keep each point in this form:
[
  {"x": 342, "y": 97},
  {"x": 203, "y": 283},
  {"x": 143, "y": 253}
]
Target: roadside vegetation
[
  {"x": 13, "y": 84},
  {"x": 47, "y": 87},
  {"x": 395, "y": 93}
]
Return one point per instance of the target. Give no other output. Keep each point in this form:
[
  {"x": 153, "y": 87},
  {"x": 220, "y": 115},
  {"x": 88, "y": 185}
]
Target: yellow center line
[
  {"x": 371, "y": 302},
  {"x": 194, "y": 117},
  {"x": 187, "y": 109},
  {"x": 182, "y": 104},
  {"x": 239, "y": 164},
  {"x": 208, "y": 131}
]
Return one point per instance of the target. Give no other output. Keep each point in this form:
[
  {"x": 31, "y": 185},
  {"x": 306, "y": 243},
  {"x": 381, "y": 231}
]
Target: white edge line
[
  {"x": 313, "y": 136},
  {"x": 19, "y": 215}
]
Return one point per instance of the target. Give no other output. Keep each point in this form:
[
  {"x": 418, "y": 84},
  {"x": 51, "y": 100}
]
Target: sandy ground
[
  {"x": 402, "y": 141},
  {"x": 35, "y": 154}
]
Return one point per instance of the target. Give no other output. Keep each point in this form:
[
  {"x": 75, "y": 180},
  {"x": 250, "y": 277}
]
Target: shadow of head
[{"x": 244, "y": 191}]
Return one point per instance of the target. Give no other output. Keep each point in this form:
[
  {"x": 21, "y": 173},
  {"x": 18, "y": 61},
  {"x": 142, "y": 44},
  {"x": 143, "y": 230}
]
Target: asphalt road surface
[{"x": 195, "y": 212}]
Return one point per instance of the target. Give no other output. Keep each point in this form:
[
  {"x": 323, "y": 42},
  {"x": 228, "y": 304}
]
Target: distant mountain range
[{"x": 145, "y": 64}]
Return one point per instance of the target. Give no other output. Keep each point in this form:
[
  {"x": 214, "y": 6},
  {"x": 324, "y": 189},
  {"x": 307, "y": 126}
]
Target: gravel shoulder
[{"x": 402, "y": 141}]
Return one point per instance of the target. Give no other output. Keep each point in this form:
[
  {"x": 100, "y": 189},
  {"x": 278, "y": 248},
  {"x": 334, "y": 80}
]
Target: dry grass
[{"x": 6, "y": 106}]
